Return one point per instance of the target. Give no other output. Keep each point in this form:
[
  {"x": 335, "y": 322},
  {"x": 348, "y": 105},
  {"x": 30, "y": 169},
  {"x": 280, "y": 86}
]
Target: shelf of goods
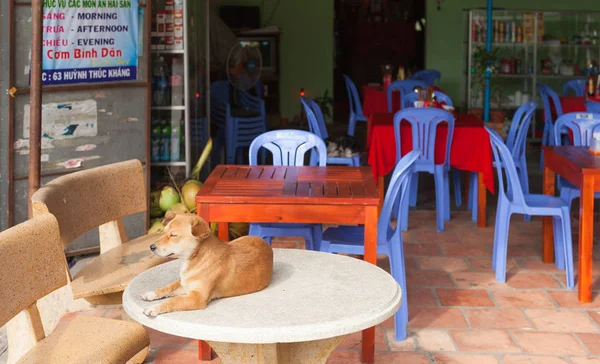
[{"x": 529, "y": 47}]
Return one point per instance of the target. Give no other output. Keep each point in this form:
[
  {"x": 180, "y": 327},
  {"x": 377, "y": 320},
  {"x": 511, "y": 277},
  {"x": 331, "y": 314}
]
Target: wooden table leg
[
  {"x": 368, "y": 335},
  {"x": 586, "y": 235},
  {"x": 223, "y": 228},
  {"x": 547, "y": 227},
  {"x": 481, "y": 202}
]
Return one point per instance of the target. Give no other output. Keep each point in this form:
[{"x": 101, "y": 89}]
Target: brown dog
[{"x": 210, "y": 268}]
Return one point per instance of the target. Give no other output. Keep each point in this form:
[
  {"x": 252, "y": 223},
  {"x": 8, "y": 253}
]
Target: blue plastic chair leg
[
  {"x": 398, "y": 272},
  {"x": 446, "y": 196},
  {"x": 356, "y": 161},
  {"x": 351, "y": 126},
  {"x": 473, "y": 195},
  {"x": 414, "y": 189},
  {"x": 559, "y": 253},
  {"x": 499, "y": 211},
  {"x": 567, "y": 243},
  {"x": 457, "y": 187},
  {"x": 317, "y": 236},
  {"x": 524, "y": 179},
  {"x": 439, "y": 200},
  {"x": 404, "y": 216},
  {"x": 502, "y": 244}
]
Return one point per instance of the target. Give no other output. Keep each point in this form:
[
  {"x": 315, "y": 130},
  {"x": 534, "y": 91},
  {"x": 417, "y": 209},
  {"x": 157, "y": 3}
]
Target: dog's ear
[
  {"x": 200, "y": 228},
  {"x": 170, "y": 215}
]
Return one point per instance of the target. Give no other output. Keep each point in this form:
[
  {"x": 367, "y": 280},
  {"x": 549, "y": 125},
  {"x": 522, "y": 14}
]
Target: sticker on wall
[{"x": 66, "y": 120}]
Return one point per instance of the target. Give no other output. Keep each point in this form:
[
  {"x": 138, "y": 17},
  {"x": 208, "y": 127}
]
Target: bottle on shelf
[
  {"x": 176, "y": 81},
  {"x": 175, "y": 141},
  {"x": 160, "y": 80},
  {"x": 165, "y": 133},
  {"x": 590, "y": 86},
  {"x": 155, "y": 141}
]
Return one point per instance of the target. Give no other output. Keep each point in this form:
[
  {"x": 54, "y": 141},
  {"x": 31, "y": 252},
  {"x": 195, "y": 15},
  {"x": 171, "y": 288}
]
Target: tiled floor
[{"x": 458, "y": 312}]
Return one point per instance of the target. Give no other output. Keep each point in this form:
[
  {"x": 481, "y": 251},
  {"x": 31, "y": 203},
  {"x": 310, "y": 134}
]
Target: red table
[
  {"x": 470, "y": 150},
  {"x": 572, "y": 104},
  {"x": 375, "y": 100}
]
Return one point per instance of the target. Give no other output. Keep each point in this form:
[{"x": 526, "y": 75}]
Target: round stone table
[{"x": 313, "y": 301}]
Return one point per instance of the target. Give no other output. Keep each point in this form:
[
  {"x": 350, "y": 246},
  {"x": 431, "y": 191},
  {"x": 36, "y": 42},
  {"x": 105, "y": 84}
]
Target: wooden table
[
  {"x": 314, "y": 300},
  {"x": 578, "y": 166},
  {"x": 328, "y": 195}
]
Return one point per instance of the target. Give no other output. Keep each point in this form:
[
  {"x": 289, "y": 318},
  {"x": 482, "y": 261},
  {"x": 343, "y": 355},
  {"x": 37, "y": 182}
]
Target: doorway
[{"x": 370, "y": 33}]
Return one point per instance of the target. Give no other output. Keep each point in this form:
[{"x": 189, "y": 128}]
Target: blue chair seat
[{"x": 538, "y": 201}]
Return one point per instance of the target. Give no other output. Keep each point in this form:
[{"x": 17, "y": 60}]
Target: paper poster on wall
[
  {"x": 66, "y": 120},
  {"x": 89, "y": 41}
]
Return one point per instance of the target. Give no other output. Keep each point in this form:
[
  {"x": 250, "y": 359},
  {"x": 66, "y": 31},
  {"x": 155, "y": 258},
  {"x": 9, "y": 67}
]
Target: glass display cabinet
[{"x": 529, "y": 47}]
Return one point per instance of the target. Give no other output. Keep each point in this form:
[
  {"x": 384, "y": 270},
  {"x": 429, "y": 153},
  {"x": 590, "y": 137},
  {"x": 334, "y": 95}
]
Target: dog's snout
[{"x": 153, "y": 247}]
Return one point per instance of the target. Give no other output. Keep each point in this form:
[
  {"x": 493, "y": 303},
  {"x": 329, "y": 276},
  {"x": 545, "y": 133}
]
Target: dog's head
[{"x": 181, "y": 236}]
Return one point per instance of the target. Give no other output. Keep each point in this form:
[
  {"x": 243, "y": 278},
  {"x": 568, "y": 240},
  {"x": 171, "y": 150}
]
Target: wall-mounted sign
[{"x": 89, "y": 41}]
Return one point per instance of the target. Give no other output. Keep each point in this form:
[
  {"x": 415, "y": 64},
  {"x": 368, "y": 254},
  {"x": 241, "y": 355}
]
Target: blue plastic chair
[
  {"x": 430, "y": 77},
  {"x": 592, "y": 106},
  {"x": 240, "y": 127},
  {"x": 404, "y": 87},
  {"x": 583, "y": 126},
  {"x": 288, "y": 148},
  {"x": 549, "y": 97},
  {"x": 356, "y": 113},
  {"x": 350, "y": 239},
  {"x": 512, "y": 200},
  {"x": 424, "y": 123},
  {"x": 316, "y": 125},
  {"x": 409, "y": 100},
  {"x": 577, "y": 85}
]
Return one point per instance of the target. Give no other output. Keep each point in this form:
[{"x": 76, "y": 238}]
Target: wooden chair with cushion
[
  {"x": 101, "y": 197},
  {"x": 31, "y": 267}
]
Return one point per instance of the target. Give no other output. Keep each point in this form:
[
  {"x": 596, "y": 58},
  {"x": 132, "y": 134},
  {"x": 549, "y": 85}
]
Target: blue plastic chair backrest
[
  {"x": 592, "y": 106},
  {"x": 403, "y": 87},
  {"x": 580, "y": 123},
  {"x": 410, "y": 98},
  {"x": 288, "y": 147},
  {"x": 577, "y": 85},
  {"x": 353, "y": 98},
  {"x": 397, "y": 191},
  {"x": 428, "y": 76},
  {"x": 506, "y": 164},
  {"x": 549, "y": 97},
  {"x": 316, "y": 121},
  {"x": 520, "y": 121},
  {"x": 424, "y": 123}
]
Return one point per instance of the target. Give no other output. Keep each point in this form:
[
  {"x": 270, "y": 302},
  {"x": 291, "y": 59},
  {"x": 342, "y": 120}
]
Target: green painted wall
[
  {"x": 446, "y": 32},
  {"x": 306, "y": 46}
]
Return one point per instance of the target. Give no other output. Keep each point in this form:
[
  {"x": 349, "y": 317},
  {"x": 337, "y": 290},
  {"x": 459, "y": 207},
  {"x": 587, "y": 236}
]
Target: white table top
[{"x": 312, "y": 296}]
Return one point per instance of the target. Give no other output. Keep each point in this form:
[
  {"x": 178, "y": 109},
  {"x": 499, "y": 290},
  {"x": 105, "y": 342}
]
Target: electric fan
[{"x": 244, "y": 66}]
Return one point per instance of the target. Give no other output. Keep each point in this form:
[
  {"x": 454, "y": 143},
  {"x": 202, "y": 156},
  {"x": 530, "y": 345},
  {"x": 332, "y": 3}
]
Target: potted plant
[{"x": 481, "y": 59}]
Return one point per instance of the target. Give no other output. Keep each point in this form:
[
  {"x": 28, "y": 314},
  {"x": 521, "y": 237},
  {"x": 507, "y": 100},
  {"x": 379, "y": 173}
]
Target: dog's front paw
[
  {"x": 152, "y": 311},
  {"x": 150, "y": 296}
]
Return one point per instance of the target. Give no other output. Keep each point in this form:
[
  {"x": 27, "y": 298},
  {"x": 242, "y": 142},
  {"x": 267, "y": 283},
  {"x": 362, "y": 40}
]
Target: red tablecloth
[
  {"x": 572, "y": 104},
  {"x": 470, "y": 150},
  {"x": 375, "y": 100}
]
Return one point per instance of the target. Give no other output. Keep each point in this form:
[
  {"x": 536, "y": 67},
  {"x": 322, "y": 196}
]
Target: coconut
[
  {"x": 188, "y": 193},
  {"x": 168, "y": 197},
  {"x": 157, "y": 227},
  {"x": 179, "y": 208}
]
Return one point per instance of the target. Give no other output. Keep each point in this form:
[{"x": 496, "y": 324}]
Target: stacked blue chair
[
  {"x": 349, "y": 239},
  {"x": 577, "y": 85},
  {"x": 582, "y": 126},
  {"x": 404, "y": 87},
  {"x": 511, "y": 200},
  {"x": 288, "y": 148},
  {"x": 356, "y": 113},
  {"x": 239, "y": 127},
  {"x": 316, "y": 125},
  {"x": 430, "y": 77},
  {"x": 549, "y": 98},
  {"x": 592, "y": 106},
  {"x": 517, "y": 145},
  {"x": 424, "y": 123}
]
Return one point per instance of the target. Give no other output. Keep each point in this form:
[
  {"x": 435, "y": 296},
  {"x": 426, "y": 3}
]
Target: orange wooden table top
[
  {"x": 582, "y": 168},
  {"x": 331, "y": 185}
]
